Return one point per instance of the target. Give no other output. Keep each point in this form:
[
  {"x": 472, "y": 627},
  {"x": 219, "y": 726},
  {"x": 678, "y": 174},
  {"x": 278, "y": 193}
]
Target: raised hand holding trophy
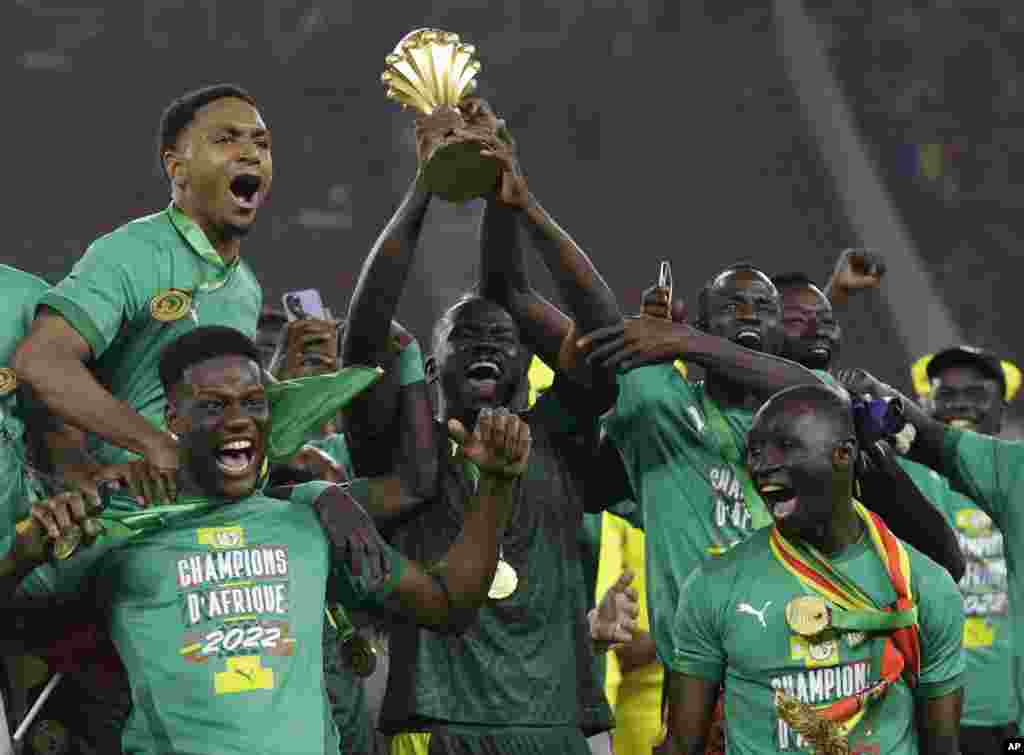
[{"x": 431, "y": 71}]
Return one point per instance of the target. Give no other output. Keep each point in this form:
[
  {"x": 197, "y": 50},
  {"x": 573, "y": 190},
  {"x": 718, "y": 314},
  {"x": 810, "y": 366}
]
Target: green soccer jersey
[
  {"x": 526, "y": 660},
  {"x": 988, "y": 640},
  {"x": 732, "y": 628},
  {"x": 691, "y": 499},
  {"x": 218, "y": 618},
  {"x": 990, "y": 472},
  {"x": 109, "y": 299},
  {"x": 19, "y": 294}
]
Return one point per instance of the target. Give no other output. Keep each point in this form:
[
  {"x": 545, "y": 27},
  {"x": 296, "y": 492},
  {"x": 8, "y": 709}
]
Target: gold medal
[
  {"x": 808, "y": 615},
  {"x": 8, "y": 380},
  {"x": 170, "y": 306},
  {"x": 505, "y": 581},
  {"x": 67, "y": 545},
  {"x": 360, "y": 655}
]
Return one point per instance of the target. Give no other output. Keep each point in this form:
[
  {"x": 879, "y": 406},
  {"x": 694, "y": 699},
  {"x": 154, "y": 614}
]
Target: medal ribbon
[
  {"x": 201, "y": 245},
  {"x": 729, "y": 450},
  {"x": 901, "y": 653}
]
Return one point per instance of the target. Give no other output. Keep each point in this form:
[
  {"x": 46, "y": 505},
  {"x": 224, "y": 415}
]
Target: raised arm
[
  {"x": 372, "y": 338},
  {"x": 856, "y": 270},
  {"x": 503, "y": 268}
]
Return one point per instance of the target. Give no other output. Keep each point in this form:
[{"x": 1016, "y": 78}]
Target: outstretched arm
[
  {"x": 930, "y": 434},
  {"x": 650, "y": 340},
  {"x": 52, "y": 360}
]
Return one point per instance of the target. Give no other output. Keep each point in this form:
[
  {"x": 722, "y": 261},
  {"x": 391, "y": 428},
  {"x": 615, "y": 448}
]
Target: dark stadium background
[{"x": 650, "y": 129}]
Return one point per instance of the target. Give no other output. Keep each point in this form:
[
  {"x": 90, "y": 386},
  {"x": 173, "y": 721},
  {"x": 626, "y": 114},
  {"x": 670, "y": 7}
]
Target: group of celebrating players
[{"x": 208, "y": 520}]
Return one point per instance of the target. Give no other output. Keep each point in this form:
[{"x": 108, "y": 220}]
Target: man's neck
[
  {"x": 843, "y": 530},
  {"x": 228, "y": 248}
]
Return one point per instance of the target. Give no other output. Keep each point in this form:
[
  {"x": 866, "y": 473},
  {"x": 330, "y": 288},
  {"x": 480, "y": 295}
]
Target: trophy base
[{"x": 457, "y": 173}]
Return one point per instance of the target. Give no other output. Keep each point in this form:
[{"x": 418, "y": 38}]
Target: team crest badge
[
  {"x": 171, "y": 305},
  {"x": 8, "y": 381}
]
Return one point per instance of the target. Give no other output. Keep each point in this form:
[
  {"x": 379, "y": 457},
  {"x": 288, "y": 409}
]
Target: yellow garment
[
  {"x": 635, "y": 697},
  {"x": 410, "y": 743},
  {"x": 540, "y": 376}
]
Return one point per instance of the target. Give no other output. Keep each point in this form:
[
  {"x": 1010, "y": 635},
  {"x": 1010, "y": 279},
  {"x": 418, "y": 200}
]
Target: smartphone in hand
[{"x": 304, "y": 305}]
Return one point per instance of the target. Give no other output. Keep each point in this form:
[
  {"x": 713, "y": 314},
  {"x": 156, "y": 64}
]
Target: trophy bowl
[{"x": 431, "y": 69}]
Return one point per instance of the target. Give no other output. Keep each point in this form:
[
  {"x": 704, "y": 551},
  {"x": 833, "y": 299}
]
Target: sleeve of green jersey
[
  {"x": 941, "y": 626},
  {"x": 107, "y": 287},
  {"x": 987, "y": 470},
  {"x": 697, "y": 640},
  {"x": 827, "y": 378}
]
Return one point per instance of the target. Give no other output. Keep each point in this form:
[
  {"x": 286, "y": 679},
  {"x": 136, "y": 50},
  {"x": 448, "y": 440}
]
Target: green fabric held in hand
[{"x": 300, "y": 407}]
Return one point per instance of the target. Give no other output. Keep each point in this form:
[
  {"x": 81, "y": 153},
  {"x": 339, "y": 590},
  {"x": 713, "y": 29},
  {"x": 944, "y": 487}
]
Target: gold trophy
[{"x": 429, "y": 69}]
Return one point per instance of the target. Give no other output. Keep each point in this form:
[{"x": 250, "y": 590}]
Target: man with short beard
[
  {"x": 92, "y": 354},
  {"x": 781, "y": 617},
  {"x": 681, "y": 442},
  {"x": 217, "y": 606},
  {"x": 812, "y": 338},
  {"x": 518, "y": 681},
  {"x": 968, "y": 389}
]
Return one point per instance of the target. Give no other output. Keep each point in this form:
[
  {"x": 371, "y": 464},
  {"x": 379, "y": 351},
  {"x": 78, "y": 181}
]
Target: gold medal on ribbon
[
  {"x": 360, "y": 655},
  {"x": 808, "y": 615},
  {"x": 505, "y": 581},
  {"x": 170, "y": 306},
  {"x": 8, "y": 380},
  {"x": 64, "y": 547}
]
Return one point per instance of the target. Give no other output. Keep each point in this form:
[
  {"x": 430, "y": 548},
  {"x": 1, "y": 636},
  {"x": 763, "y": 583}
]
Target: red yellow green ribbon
[{"x": 901, "y": 653}]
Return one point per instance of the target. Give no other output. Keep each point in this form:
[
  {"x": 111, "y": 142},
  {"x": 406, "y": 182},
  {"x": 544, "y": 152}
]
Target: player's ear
[{"x": 844, "y": 453}]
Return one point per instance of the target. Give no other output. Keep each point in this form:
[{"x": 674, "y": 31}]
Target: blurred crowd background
[{"x": 654, "y": 129}]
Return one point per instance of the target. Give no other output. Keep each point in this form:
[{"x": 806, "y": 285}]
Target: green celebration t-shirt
[
  {"x": 527, "y": 659},
  {"x": 107, "y": 297},
  {"x": 19, "y": 294},
  {"x": 691, "y": 499},
  {"x": 990, "y": 472},
  {"x": 344, "y": 687},
  {"x": 732, "y": 627},
  {"x": 988, "y": 638},
  {"x": 218, "y": 618}
]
